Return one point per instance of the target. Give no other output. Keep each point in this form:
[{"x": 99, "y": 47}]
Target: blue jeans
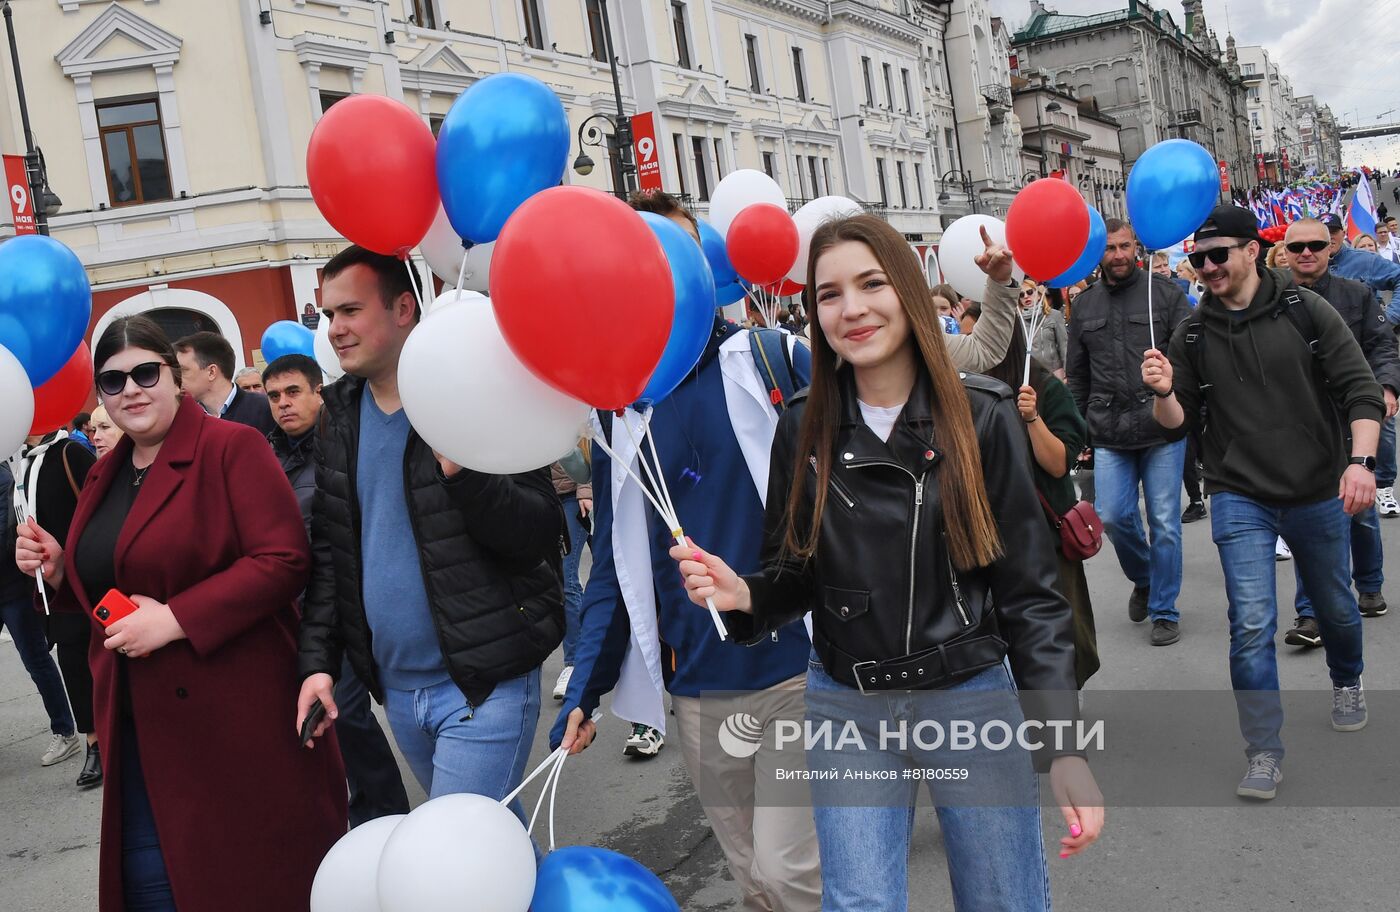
[
  {"x": 18, "y": 616},
  {"x": 996, "y": 857},
  {"x": 1157, "y": 470},
  {"x": 145, "y": 882},
  {"x": 1244, "y": 531},
  {"x": 1385, "y": 455},
  {"x": 454, "y": 747},
  {"x": 1367, "y": 560},
  {"x": 573, "y": 589}
]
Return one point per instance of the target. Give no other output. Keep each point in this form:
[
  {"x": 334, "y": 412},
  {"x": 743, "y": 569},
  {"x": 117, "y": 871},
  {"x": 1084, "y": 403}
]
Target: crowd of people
[{"x": 270, "y": 551}]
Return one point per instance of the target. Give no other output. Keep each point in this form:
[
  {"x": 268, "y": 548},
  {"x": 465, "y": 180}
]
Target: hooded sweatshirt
[{"x": 1273, "y": 430}]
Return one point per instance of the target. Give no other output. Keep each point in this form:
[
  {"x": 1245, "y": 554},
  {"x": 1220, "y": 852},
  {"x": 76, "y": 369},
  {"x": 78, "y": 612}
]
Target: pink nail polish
[
  {"x": 1075, "y": 831},
  {"x": 1064, "y": 854},
  {"x": 695, "y": 555}
]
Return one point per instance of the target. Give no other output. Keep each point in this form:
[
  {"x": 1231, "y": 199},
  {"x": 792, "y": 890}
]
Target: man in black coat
[
  {"x": 1364, "y": 316},
  {"x": 1107, "y": 336},
  {"x": 293, "y": 384},
  {"x": 206, "y": 371}
]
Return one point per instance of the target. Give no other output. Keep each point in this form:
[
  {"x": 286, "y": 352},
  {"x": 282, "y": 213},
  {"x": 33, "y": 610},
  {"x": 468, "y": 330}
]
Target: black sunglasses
[
  {"x": 146, "y": 375},
  {"x": 1218, "y": 256},
  {"x": 1300, "y": 246}
]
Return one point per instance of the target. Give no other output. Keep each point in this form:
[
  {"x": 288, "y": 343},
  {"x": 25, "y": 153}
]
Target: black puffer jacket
[
  {"x": 489, "y": 548},
  {"x": 882, "y": 585},
  {"x": 1108, "y": 334},
  {"x": 1365, "y": 318}
]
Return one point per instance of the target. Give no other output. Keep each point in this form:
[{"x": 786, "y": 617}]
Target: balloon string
[
  {"x": 556, "y": 761},
  {"x": 462, "y": 273},
  {"x": 599, "y": 439},
  {"x": 531, "y": 778},
  {"x": 16, "y": 462},
  {"x": 1151, "y": 327},
  {"x": 413, "y": 280}
]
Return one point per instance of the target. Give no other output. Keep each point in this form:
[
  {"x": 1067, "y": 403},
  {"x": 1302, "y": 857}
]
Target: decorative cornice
[
  {"x": 419, "y": 74},
  {"x": 161, "y": 48},
  {"x": 877, "y": 20},
  {"x": 328, "y": 50}
]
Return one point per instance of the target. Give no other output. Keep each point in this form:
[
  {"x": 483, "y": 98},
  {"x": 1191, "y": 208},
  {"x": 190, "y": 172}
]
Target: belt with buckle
[{"x": 923, "y": 670}]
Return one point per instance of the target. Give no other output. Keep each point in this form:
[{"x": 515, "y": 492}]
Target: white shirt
[
  {"x": 229, "y": 401},
  {"x": 879, "y": 419}
]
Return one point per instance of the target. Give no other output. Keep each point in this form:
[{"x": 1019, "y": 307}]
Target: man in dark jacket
[
  {"x": 1308, "y": 258},
  {"x": 293, "y": 384},
  {"x": 442, "y": 584},
  {"x": 206, "y": 372},
  {"x": 1107, "y": 337},
  {"x": 1275, "y": 465}
]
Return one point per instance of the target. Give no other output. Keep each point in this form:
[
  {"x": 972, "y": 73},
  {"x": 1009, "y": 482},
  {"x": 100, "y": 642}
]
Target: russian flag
[{"x": 1361, "y": 215}]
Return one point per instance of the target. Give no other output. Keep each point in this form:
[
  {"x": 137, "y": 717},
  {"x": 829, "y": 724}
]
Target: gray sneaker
[
  {"x": 1371, "y": 604},
  {"x": 1137, "y": 604},
  {"x": 60, "y": 748},
  {"x": 1263, "y": 776},
  {"x": 1348, "y": 708}
]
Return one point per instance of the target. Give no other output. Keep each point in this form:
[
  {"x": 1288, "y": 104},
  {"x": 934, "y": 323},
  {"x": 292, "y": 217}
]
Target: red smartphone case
[{"x": 113, "y": 607}]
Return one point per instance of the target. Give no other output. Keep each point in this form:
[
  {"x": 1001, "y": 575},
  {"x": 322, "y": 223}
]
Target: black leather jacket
[
  {"x": 489, "y": 553},
  {"x": 882, "y": 587}
]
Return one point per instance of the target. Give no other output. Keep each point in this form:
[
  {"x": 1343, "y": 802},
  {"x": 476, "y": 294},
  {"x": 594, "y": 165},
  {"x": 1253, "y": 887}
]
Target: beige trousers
[{"x": 772, "y": 850}]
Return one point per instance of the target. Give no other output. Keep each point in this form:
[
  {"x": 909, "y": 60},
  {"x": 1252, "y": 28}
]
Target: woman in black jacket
[{"x": 901, "y": 513}]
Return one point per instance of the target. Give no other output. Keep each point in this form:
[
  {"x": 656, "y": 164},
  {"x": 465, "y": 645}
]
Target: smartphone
[
  {"x": 113, "y": 607},
  {"x": 314, "y": 715}
]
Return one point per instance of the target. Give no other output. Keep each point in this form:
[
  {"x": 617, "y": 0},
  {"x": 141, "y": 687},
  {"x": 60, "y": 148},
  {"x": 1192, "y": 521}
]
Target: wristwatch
[{"x": 1366, "y": 462}]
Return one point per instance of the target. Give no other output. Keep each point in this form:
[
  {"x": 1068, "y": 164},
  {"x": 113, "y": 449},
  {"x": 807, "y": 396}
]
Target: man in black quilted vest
[{"x": 441, "y": 584}]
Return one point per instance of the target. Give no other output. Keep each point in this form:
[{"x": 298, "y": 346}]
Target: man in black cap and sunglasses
[
  {"x": 1308, "y": 256},
  {"x": 1277, "y": 371}
]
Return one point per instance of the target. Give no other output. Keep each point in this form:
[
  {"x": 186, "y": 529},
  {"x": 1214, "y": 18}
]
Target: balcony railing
[
  {"x": 998, "y": 99},
  {"x": 1188, "y": 117}
]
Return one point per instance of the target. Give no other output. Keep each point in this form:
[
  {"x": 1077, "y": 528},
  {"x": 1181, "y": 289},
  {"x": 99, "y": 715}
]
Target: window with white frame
[
  {"x": 597, "y": 34},
  {"x": 682, "y": 33},
  {"x": 880, "y": 179},
  {"x": 424, "y": 13},
  {"x": 534, "y": 23},
  {"x": 755, "y": 73},
  {"x": 133, "y": 151}
]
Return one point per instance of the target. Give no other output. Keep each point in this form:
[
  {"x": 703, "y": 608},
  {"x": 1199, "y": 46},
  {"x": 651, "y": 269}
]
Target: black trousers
[
  {"x": 1191, "y": 471},
  {"x": 71, "y": 633},
  {"x": 372, "y": 773}
]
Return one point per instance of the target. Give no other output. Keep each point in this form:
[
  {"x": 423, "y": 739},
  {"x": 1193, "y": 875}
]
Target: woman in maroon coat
[{"x": 209, "y": 801}]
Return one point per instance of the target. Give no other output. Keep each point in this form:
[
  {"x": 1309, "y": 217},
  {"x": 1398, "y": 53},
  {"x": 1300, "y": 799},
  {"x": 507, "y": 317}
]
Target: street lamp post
[
  {"x": 620, "y": 139},
  {"x": 964, "y": 178},
  {"x": 1051, "y": 108},
  {"x": 44, "y": 200}
]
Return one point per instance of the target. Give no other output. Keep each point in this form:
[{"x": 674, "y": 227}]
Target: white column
[
  {"x": 174, "y": 136},
  {"x": 92, "y": 142}
]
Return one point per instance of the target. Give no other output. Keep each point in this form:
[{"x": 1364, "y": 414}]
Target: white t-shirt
[{"x": 880, "y": 420}]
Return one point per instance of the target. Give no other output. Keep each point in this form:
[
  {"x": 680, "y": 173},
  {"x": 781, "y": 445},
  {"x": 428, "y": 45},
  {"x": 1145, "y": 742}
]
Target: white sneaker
[
  {"x": 61, "y": 747},
  {"x": 561, "y": 686},
  {"x": 1281, "y": 551},
  {"x": 1385, "y": 502},
  {"x": 643, "y": 742}
]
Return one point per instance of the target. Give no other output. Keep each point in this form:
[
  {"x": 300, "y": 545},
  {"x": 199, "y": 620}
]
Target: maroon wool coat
[{"x": 244, "y": 813}]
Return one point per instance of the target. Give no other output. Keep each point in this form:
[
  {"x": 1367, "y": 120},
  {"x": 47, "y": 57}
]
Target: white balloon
[
  {"x": 348, "y": 878},
  {"x": 738, "y": 190},
  {"x": 811, "y": 217},
  {"x": 443, "y": 250},
  {"x": 959, "y": 248},
  {"x": 16, "y": 408},
  {"x": 325, "y": 352},
  {"x": 472, "y": 400},
  {"x": 452, "y": 294},
  {"x": 458, "y": 852}
]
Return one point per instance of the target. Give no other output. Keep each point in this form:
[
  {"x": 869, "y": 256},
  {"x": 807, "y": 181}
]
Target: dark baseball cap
[
  {"x": 1230, "y": 222},
  {"x": 1333, "y": 221}
]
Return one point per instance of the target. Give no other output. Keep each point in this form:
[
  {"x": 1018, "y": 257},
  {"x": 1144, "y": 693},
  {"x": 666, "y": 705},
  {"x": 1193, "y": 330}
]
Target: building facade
[
  {"x": 1321, "y": 151},
  {"x": 1273, "y": 115},
  {"x": 1070, "y": 138},
  {"x": 175, "y": 132},
  {"x": 1156, "y": 79}
]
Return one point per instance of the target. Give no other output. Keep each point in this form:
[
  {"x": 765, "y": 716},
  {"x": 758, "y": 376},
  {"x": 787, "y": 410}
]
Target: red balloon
[
  {"x": 784, "y": 288},
  {"x": 64, "y": 394},
  {"x": 590, "y": 319},
  {"x": 762, "y": 243},
  {"x": 372, "y": 167},
  {"x": 1047, "y": 227}
]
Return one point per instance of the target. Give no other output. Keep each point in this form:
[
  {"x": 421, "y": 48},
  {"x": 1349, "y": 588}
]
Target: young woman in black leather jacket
[{"x": 901, "y": 512}]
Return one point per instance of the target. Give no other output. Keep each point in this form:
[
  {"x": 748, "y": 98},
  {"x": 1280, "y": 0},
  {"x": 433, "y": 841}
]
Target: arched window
[{"x": 179, "y": 322}]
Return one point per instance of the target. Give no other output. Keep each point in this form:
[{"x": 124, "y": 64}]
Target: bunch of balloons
[
  {"x": 45, "y": 366},
  {"x": 1274, "y": 233},
  {"x": 1048, "y": 229},
  {"x": 469, "y": 852}
]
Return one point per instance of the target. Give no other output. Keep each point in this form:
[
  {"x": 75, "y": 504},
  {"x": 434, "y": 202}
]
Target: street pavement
[{"x": 1231, "y": 856}]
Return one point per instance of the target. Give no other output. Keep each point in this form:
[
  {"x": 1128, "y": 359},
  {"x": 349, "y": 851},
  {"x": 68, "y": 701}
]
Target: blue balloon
[
  {"x": 504, "y": 140},
  {"x": 728, "y": 294},
  {"x": 1171, "y": 190},
  {"x": 1093, "y": 253},
  {"x": 695, "y": 307},
  {"x": 287, "y": 337},
  {"x": 45, "y": 304},
  {"x": 589, "y": 879},
  {"x": 718, "y": 255}
]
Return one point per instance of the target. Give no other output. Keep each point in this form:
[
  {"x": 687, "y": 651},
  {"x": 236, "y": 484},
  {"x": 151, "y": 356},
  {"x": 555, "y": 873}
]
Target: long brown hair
[{"x": 967, "y": 515}]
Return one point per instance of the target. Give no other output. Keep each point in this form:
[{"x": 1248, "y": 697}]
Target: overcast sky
[{"x": 1342, "y": 51}]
